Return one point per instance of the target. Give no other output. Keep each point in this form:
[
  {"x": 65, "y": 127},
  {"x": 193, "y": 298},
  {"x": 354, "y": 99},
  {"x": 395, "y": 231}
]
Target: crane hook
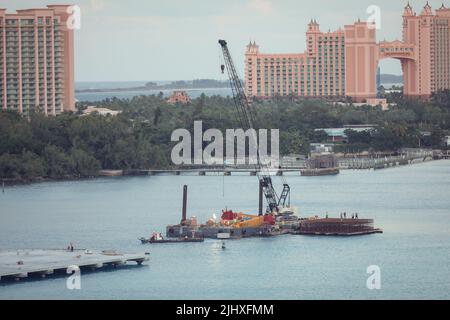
[{"x": 223, "y": 68}]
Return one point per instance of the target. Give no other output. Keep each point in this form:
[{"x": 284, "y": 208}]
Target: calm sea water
[
  {"x": 99, "y": 96},
  {"x": 411, "y": 204}
]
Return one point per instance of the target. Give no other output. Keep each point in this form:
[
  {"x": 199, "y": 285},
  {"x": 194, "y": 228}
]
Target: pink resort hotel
[
  {"x": 37, "y": 60},
  {"x": 344, "y": 63}
]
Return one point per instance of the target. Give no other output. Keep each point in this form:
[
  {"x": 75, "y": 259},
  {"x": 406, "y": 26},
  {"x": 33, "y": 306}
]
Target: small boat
[{"x": 173, "y": 240}]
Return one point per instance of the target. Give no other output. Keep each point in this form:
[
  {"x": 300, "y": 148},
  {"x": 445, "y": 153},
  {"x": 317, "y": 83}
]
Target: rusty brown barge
[{"x": 336, "y": 227}]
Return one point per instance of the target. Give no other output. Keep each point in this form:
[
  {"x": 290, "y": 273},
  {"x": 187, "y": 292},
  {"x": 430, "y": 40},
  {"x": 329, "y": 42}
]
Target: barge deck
[
  {"x": 336, "y": 227},
  {"x": 173, "y": 240},
  {"x": 337, "y": 234}
]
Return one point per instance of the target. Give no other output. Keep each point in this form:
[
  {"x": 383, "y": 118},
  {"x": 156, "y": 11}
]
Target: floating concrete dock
[
  {"x": 20, "y": 264},
  {"x": 385, "y": 162}
]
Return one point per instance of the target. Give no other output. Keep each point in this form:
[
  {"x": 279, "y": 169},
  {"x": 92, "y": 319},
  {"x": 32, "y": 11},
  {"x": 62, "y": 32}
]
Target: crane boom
[{"x": 246, "y": 118}]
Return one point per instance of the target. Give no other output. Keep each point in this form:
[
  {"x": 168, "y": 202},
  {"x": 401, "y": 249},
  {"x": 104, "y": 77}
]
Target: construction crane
[{"x": 246, "y": 117}]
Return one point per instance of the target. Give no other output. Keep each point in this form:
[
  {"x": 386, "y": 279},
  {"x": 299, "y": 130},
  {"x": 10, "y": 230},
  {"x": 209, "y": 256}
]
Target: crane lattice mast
[{"x": 246, "y": 118}]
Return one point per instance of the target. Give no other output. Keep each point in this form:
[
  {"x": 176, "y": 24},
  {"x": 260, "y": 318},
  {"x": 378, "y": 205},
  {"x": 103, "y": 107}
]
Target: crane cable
[{"x": 219, "y": 52}]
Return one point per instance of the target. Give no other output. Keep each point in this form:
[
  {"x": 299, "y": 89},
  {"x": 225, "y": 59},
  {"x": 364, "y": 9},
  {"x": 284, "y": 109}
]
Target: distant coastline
[
  {"x": 190, "y": 85},
  {"x": 174, "y": 85},
  {"x": 391, "y": 78}
]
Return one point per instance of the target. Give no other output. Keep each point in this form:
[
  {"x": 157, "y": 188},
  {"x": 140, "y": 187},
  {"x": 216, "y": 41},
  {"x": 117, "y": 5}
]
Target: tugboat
[{"x": 158, "y": 238}]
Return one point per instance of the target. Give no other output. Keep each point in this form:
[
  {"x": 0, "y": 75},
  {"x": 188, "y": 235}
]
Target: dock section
[{"x": 20, "y": 264}]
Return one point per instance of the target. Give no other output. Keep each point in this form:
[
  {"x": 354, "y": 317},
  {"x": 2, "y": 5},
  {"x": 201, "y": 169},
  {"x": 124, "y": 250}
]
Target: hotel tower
[
  {"x": 344, "y": 63},
  {"x": 37, "y": 60}
]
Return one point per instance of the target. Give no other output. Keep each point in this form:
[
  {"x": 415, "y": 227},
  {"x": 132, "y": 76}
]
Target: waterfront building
[
  {"x": 179, "y": 97},
  {"x": 447, "y": 141},
  {"x": 377, "y": 102},
  {"x": 100, "y": 111},
  {"x": 321, "y": 147},
  {"x": 37, "y": 60},
  {"x": 373, "y": 102},
  {"x": 344, "y": 63},
  {"x": 339, "y": 135},
  {"x": 322, "y": 161}
]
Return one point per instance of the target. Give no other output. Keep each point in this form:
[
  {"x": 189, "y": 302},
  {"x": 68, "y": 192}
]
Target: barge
[
  {"x": 237, "y": 225},
  {"x": 223, "y": 232},
  {"x": 173, "y": 240},
  {"x": 335, "y": 227},
  {"x": 319, "y": 172}
]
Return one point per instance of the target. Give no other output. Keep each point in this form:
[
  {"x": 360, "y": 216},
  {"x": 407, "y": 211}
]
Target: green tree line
[{"x": 71, "y": 145}]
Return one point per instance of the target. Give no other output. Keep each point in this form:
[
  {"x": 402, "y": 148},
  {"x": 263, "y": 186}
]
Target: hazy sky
[{"x": 177, "y": 39}]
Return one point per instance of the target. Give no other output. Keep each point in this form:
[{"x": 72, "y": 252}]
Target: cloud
[
  {"x": 262, "y": 6},
  {"x": 97, "y": 5}
]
